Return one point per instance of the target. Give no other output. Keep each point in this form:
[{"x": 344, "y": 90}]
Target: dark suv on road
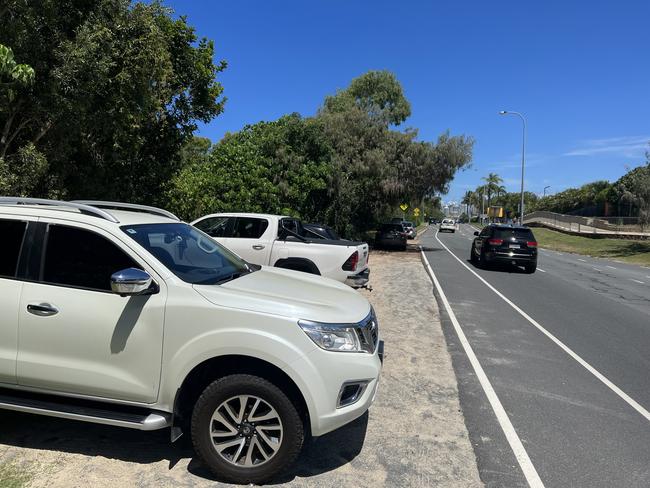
[{"x": 506, "y": 244}]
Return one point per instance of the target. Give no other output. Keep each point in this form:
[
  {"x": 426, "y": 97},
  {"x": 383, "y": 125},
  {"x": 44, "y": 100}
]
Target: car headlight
[
  {"x": 359, "y": 337},
  {"x": 332, "y": 337}
]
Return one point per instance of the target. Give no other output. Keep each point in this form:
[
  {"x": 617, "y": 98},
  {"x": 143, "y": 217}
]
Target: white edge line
[
  {"x": 513, "y": 439},
  {"x": 624, "y": 396},
  {"x": 540, "y": 269},
  {"x": 637, "y": 281}
]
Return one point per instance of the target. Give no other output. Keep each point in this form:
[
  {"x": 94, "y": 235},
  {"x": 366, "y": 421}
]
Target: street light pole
[
  {"x": 523, "y": 159},
  {"x": 546, "y": 188}
]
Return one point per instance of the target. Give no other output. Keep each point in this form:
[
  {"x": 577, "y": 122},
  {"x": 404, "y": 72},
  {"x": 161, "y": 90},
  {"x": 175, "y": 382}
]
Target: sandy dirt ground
[{"x": 413, "y": 436}]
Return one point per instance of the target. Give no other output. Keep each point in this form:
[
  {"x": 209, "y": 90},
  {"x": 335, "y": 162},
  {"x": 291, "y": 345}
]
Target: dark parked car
[
  {"x": 320, "y": 231},
  {"x": 396, "y": 220},
  {"x": 391, "y": 235},
  {"x": 506, "y": 244}
]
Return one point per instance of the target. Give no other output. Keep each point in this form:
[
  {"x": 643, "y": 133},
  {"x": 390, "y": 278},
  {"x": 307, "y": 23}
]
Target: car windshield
[{"x": 188, "y": 253}]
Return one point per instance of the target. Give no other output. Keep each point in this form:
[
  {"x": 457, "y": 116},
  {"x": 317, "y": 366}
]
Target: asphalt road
[{"x": 570, "y": 368}]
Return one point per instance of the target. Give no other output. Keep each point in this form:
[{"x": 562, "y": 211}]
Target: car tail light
[
  {"x": 495, "y": 242},
  {"x": 351, "y": 263},
  {"x": 531, "y": 244}
]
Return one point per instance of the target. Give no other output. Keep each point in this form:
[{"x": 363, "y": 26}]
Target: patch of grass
[
  {"x": 12, "y": 476},
  {"x": 636, "y": 252}
]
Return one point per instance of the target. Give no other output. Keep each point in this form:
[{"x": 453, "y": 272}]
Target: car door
[
  {"x": 251, "y": 239},
  {"x": 78, "y": 337},
  {"x": 482, "y": 237},
  {"x": 12, "y": 233}
]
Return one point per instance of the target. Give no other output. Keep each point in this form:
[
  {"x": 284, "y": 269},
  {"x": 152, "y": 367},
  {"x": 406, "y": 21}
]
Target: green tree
[
  {"x": 345, "y": 167},
  {"x": 377, "y": 93},
  {"x": 493, "y": 186},
  {"x": 468, "y": 201},
  {"x": 270, "y": 167},
  {"x": 119, "y": 89}
]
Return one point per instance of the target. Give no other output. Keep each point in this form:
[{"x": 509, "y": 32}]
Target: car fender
[{"x": 242, "y": 341}]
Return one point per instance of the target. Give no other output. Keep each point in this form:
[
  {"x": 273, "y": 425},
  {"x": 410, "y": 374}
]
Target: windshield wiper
[{"x": 234, "y": 276}]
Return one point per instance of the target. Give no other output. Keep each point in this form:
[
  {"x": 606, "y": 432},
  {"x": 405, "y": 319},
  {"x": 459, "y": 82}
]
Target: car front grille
[{"x": 368, "y": 332}]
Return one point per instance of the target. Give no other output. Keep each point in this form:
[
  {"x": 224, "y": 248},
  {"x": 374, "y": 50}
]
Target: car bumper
[
  {"x": 324, "y": 374},
  {"x": 358, "y": 280},
  {"x": 511, "y": 257}
]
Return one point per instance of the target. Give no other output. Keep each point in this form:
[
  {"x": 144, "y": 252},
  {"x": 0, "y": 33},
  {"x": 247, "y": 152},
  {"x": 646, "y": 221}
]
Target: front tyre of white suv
[{"x": 245, "y": 429}]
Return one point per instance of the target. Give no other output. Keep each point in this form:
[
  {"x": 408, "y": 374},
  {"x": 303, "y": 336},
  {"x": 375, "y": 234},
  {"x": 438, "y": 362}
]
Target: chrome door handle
[
  {"x": 42, "y": 309},
  {"x": 258, "y": 247}
]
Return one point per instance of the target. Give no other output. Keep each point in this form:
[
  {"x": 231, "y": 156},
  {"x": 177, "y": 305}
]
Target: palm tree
[
  {"x": 468, "y": 199},
  {"x": 493, "y": 185}
]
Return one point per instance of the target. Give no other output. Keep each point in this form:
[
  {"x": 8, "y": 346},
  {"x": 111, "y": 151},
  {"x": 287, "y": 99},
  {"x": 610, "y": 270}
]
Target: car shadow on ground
[
  {"x": 23, "y": 430},
  {"x": 499, "y": 268},
  {"x": 410, "y": 248}
]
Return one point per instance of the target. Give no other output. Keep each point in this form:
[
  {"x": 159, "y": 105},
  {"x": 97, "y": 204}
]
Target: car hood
[{"x": 291, "y": 294}]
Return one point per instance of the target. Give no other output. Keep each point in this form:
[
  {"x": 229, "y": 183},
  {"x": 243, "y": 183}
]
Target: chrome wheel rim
[{"x": 246, "y": 431}]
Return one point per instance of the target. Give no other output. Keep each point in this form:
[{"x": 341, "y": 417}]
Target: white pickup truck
[{"x": 280, "y": 241}]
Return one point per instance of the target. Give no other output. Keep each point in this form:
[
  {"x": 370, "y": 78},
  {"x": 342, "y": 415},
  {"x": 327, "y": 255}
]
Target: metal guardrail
[{"x": 623, "y": 226}]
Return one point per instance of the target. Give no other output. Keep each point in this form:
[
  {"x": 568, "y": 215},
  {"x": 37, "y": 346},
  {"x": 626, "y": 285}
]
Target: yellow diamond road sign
[
  {"x": 416, "y": 212},
  {"x": 404, "y": 206}
]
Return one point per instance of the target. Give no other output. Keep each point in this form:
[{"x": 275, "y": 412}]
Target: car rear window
[
  {"x": 389, "y": 227},
  {"x": 517, "y": 233}
]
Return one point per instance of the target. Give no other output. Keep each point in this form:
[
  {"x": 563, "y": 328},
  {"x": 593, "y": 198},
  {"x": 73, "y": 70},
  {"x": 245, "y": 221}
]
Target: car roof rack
[
  {"x": 128, "y": 206},
  {"x": 83, "y": 208}
]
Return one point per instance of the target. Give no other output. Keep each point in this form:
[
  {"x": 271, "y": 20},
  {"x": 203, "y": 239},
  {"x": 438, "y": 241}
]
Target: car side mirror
[
  {"x": 475, "y": 232},
  {"x": 130, "y": 282}
]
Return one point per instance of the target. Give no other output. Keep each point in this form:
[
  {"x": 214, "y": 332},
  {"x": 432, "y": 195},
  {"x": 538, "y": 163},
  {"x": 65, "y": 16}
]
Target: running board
[{"x": 87, "y": 412}]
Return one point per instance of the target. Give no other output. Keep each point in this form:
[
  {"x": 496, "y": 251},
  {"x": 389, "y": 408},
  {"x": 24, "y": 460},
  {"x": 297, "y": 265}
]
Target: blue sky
[{"x": 578, "y": 70}]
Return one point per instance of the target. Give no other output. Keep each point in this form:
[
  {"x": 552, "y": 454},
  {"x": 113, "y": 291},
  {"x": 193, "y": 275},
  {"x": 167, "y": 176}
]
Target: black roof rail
[{"x": 81, "y": 207}]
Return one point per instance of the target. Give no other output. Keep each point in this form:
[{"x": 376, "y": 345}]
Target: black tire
[
  {"x": 243, "y": 384},
  {"x": 530, "y": 268},
  {"x": 483, "y": 263},
  {"x": 472, "y": 256}
]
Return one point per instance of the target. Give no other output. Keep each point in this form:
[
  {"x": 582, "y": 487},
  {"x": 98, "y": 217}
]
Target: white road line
[
  {"x": 624, "y": 396},
  {"x": 540, "y": 269},
  {"x": 597, "y": 269},
  {"x": 638, "y": 281},
  {"x": 513, "y": 439},
  {"x": 582, "y": 260},
  {"x": 611, "y": 267}
]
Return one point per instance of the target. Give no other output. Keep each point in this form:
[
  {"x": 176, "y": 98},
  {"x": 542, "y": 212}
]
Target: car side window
[
  {"x": 216, "y": 226},
  {"x": 249, "y": 227},
  {"x": 81, "y": 258},
  {"x": 288, "y": 225},
  {"x": 12, "y": 232}
]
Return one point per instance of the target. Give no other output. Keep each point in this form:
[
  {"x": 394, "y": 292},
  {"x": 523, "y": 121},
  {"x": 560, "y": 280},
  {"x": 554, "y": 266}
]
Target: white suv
[{"x": 123, "y": 315}]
